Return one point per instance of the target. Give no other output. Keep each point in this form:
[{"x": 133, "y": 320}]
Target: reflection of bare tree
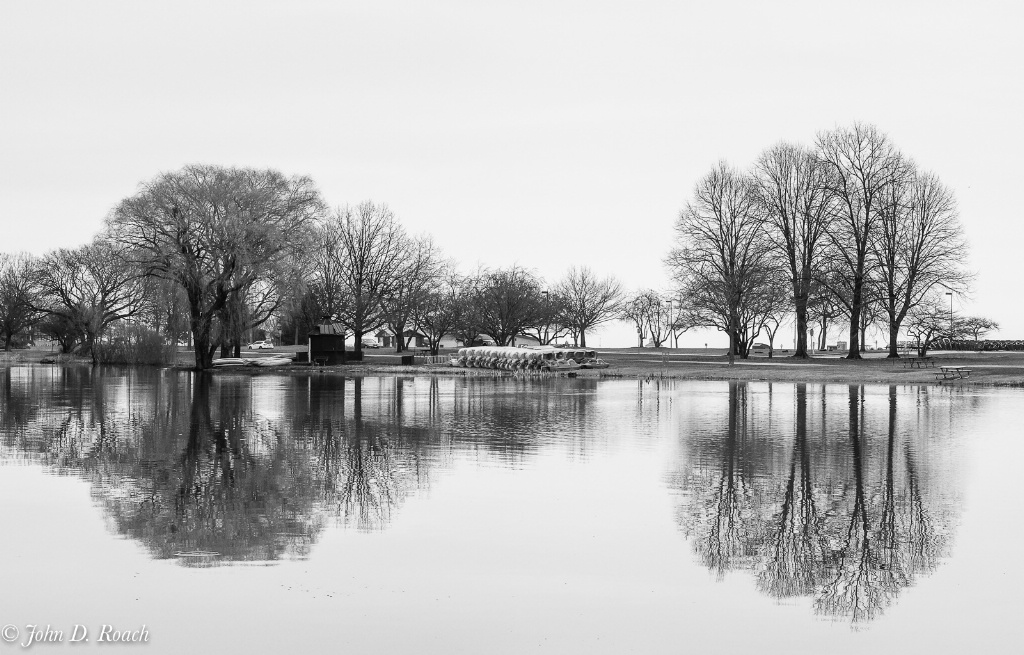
[
  {"x": 841, "y": 519},
  {"x": 188, "y": 465},
  {"x": 719, "y": 516},
  {"x": 794, "y": 546},
  {"x": 862, "y": 581}
]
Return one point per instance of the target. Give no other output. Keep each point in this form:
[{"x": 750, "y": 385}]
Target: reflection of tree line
[
  {"x": 194, "y": 463},
  {"x": 846, "y": 520}
]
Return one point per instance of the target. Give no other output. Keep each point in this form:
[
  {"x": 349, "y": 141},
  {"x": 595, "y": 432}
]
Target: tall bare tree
[
  {"x": 363, "y": 252},
  {"x": 217, "y": 232},
  {"x": 919, "y": 245},
  {"x": 722, "y": 250},
  {"x": 420, "y": 269},
  {"x": 589, "y": 301},
  {"x": 793, "y": 187},
  {"x": 18, "y": 295},
  {"x": 861, "y": 164}
]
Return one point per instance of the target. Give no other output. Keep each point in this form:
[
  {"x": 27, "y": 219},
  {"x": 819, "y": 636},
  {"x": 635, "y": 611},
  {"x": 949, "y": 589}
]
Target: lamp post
[
  {"x": 950, "y": 294},
  {"x": 672, "y": 323},
  {"x": 547, "y": 310}
]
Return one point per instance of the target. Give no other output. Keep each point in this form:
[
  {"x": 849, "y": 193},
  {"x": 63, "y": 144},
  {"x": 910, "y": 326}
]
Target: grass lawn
[{"x": 988, "y": 368}]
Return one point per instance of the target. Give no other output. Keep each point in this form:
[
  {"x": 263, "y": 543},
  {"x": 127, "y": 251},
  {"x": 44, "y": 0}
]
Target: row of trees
[
  {"x": 851, "y": 229},
  {"x": 209, "y": 254}
]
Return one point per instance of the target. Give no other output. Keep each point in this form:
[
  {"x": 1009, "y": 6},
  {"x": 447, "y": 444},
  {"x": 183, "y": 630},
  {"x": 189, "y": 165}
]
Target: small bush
[{"x": 134, "y": 344}]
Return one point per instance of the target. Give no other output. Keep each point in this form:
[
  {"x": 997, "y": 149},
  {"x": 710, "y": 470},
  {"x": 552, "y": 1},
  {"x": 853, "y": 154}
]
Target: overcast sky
[{"x": 539, "y": 133}]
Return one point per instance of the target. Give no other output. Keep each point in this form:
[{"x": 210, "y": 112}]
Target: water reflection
[
  {"x": 848, "y": 512},
  {"x": 208, "y": 469}
]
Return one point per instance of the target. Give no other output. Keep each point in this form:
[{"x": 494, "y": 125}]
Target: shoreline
[{"x": 989, "y": 369}]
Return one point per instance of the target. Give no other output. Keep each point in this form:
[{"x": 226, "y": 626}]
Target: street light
[
  {"x": 950, "y": 294},
  {"x": 547, "y": 311}
]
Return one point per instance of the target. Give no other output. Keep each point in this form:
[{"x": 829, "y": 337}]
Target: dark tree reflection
[
  {"x": 215, "y": 468},
  {"x": 794, "y": 545},
  {"x": 209, "y": 469},
  {"x": 842, "y": 516}
]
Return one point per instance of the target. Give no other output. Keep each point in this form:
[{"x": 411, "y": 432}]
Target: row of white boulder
[{"x": 526, "y": 359}]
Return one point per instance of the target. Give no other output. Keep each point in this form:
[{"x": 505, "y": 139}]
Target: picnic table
[
  {"x": 919, "y": 362},
  {"x": 953, "y": 373}
]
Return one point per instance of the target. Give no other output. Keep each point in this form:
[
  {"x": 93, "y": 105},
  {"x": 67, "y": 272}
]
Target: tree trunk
[
  {"x": 800, "y": 303},
  {"x": 894, "y": 331},
  {"x": 201, "y": 342},
  {"x": 732, "y": 338},
  {"x": 583, "y": 339},
  {"x": 855, "y": 311},
  {"x": 398, "y": 329}
]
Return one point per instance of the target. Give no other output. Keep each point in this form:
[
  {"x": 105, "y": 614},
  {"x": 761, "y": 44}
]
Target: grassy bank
[{"x": 989, "y": 368}]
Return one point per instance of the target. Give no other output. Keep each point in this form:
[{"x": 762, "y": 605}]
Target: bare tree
[
  {"x": 18, "y": 295},
  {"x": 439, "y": 309},
  {"x": 419, "y": 270},
  {"x": 216, "y": 232},
  {"x": 768, "y": 309},
  {"x": 551, "y": 321},
  {"x": 508, "y": 301},
  {"x": 466, "y": 321},
  {"x": 89, "y": 288},
  {"x": 919, "y": 245},
  {"x": 929, "y": 321},
  {"x": 976, "y": 326},
  {"x": 721, "y": 247},
  {"x": 679, "y": 316},
  {"x": 642, "y": 310},
  {"x": 861, "y": 163},
  {"x": 362, "y": 256},
  {"x": 798, "y": 203},
  {"x": 589, "y": 301}
]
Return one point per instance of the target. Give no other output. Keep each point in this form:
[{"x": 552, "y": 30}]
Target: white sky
[{"x": 539, "y": 133}]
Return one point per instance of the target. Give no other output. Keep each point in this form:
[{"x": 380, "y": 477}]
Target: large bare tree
[
  {"x": 420, "y": 269},
  {"x": 793, "y": 187},
  {"x": 588, "y": 300},
  {"x": 722, "y": 252},
  {"x": 861, "y": 163},
  {"x": 217, "y": 232},
  {"x": 508, "y": 301},
  {"x": 919, "y": 246},
  {"x": 362, "y": 254}
]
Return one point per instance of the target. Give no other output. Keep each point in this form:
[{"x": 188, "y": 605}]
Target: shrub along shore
[{"x": 987, "y": 368}]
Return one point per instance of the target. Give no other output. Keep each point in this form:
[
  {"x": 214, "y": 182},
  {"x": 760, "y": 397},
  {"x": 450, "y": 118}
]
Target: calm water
[{"x": 314, "y": 514}]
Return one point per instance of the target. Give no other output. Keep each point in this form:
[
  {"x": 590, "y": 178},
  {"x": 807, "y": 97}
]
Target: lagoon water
[{"x": 318, "y": 513}]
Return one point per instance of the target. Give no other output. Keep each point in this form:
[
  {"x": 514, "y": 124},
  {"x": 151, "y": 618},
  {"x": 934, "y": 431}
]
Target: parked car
[
  {"x": 261, "y": 345},
  {"x": 760, "y": 349},
  {"x": 370, "y": 344}
]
